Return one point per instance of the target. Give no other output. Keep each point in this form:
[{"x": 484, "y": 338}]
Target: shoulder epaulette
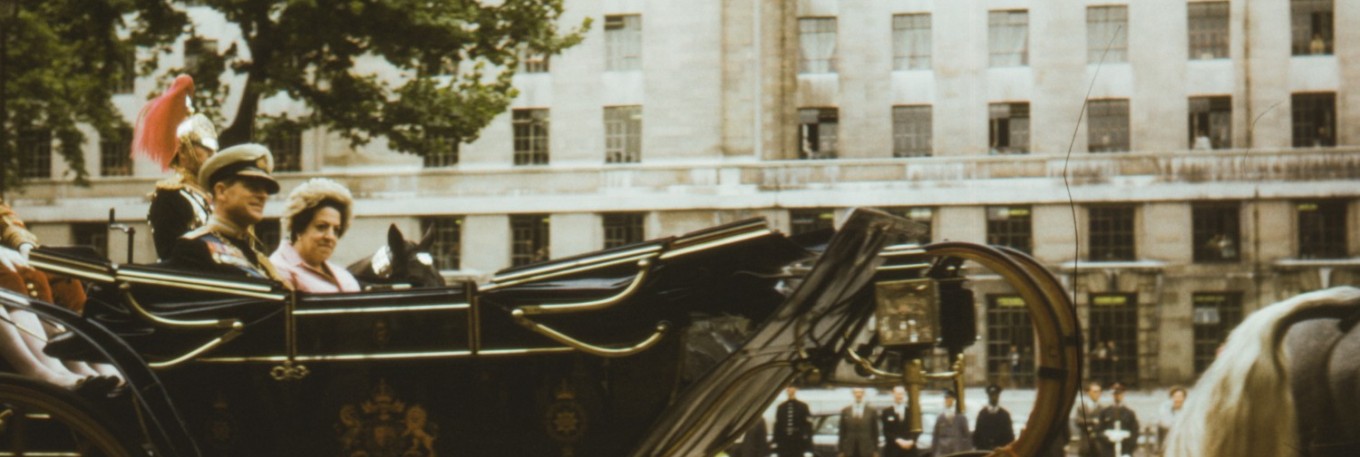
[
  {"x": 173, "y": 183},
  {"x": 198, "y": 232}
]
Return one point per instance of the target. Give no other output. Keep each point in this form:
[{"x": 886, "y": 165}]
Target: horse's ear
[
  {"x": 395, "y": 241},
  {"x": 426, "y": 241}
]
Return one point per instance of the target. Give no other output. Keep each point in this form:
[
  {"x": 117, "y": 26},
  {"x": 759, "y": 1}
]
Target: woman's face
[{"x": 317, "y": 241}]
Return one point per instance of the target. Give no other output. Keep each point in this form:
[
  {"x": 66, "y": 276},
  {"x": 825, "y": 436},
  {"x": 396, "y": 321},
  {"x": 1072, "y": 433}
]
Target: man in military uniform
[
  {"x": 792, "y": 426},
  {"x": 1118, "y": 426},
  {"x": 238, "y": 178},
  {"x": 993, "y": 426},
  {"x": 171, "y": 135}
]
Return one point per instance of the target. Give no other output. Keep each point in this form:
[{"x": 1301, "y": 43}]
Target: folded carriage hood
[{"x": 723, "y": 403}]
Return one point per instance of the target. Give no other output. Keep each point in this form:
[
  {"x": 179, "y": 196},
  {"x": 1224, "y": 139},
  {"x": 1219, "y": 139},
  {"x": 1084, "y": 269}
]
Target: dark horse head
[{"x": 400, "y": 262}]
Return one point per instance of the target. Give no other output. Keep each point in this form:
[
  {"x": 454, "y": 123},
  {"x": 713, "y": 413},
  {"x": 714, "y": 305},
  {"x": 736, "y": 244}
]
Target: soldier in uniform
[
  {"x": 1115, "y": 420},
  {"x": 792, "y": 426},
  {"x": 240, "y": 183},
  {"x": 171, "y": 135},
  {"x": 993, "y": 427}
]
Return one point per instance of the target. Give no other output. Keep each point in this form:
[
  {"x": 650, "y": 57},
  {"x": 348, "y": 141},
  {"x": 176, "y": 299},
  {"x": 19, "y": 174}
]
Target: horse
[
  {"x": 1284, "y": 384},
  {"x": 401, "y": 261}
]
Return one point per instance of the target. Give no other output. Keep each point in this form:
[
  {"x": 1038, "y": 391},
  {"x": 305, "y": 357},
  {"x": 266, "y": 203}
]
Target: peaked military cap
[
  {"x": 246, "y": 160},
  {"x": 993, "y": 388}
]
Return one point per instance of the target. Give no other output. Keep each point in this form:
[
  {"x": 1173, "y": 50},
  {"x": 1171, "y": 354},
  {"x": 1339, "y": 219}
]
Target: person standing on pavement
[
  {"x": 792, "y": 426},
  {"x": 1170, "y": 411},
  {"x": 993, "y": 428},
  {"x": 1118, "y": 426},
  {"x": 1086, "y": 421},
  {"x": 859, "y": 428},
  {"x": 951, "y": 429},
  {"x": 898, "y": 440}
]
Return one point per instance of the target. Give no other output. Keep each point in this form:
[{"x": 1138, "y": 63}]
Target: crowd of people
[{"x": 202, "y": 219}]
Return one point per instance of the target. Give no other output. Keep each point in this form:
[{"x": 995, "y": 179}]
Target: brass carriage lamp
[{"x": 907, "y": 318}]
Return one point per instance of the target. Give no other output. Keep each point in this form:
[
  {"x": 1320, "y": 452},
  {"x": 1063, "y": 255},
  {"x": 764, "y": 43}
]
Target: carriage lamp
[{"x": 907, "y": 317}]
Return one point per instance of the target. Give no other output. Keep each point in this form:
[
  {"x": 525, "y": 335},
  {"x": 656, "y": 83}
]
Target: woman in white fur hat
[{"x": 317, "y": 215}]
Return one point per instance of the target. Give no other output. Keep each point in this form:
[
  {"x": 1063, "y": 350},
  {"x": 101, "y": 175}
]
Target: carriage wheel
[{"x": 37, "y": 418}]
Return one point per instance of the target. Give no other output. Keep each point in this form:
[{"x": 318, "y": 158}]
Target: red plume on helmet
[{"x": 154, "y": 137}]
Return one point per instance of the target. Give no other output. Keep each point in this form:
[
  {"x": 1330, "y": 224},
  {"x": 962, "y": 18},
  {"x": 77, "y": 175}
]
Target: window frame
[
  {"x": 530, "y": 132},
  {"x": 913, "y": 131},
  {"x": 1011, "y": 226},
  {"x": 530, "y": 238},
  {"x": 115, "y": 153},
  {"x": 1107, "y": 17},
  {"x": 621, "y": 229},
  {"x": 907, "y": 29},
  {"x": 623, "y": 42},
  {"x": 1215, "y": 111},
  {"x": 1207, "y": 29},
  {"x": 818, "y": 126},
  {"x": 1113, "y": 231},
  {"x": 446, "y": 243},
  {"x": 1001, "y": 21},
  {"x": 1209, "y": 222},
  {"x": 1014, "y": 122},
  {"x": 623, "y": 134},
  {"x": 1108, "y": 118},
  {"x": 1310, "y": 18},
  {"x": 1313, "y": 117},
  {"x": 812, "y": 29},
  {"x": 1322, "y": 231}
]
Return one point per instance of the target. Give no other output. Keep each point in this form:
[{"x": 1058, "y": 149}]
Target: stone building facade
[{"x": 1214, "y": 168}]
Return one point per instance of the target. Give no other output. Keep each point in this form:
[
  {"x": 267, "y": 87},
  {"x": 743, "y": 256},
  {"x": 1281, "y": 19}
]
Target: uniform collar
[{"x": 227, "y": 228}]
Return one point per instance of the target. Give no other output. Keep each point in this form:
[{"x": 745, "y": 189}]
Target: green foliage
[
  {"x": 420, "y": 73},
  {"x": 61, "y": 61}
]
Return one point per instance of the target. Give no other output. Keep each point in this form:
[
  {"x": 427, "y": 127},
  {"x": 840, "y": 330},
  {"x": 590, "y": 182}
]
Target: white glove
[{"x": 12, "y": 259}]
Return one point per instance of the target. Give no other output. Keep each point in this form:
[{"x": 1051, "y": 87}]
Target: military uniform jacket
[
  {"x": 896, "y": 426},
  {"x": 176, "y": 209},
  {"x": 793, "y": 427},
  {"x": 993, "y": 429},
  {"x": 212, "y": 249},
  {"x": 951, "y": 434},
  {"x": 1127, "y": 421}
]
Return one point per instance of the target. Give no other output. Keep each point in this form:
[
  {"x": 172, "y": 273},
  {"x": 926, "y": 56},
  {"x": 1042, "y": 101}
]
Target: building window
[
  {"x": 115, "y": 157},
  {"x": 127, "y": 74},
  {"x": 1210, "y": 122},
  {"x": 1322, "y": 229},
  {"x": 1312, "y": 26},
  {"x": 911, "y": 131},
  {"x": 1208, "y": 26},
  {"x": 533, "y": 62},
  {"x": 1215, "y": 315},
  {"x": 923, "y": 215},
  {"x": 623, "y": 134},
  {"x": 1112, "y": 350},
  {"x": 285, "y": 142},
  {"x": 1111, "y": 233},
  {"x": 1108, "y": 129},
  {"x": 817, "y": 45},
  {"x": 623, "y": 42},
  {"x": 94, "y": 235},
  {"x": 196, "y": 50},
  {"x": 1010, "y": 226},
  {"x": 1107, "y": 27},
  {"x": 1008, "y": 128},
  {"x": 621, "y": 229},
  {"x": 1008, "y": 38},
  {"x": 529, "y": 238},
  {"x": 1010, "y": 341},
  {"x": 446, "y": 246},
  {"x": 35, "y": 154},
  {"x": 1216, "y": 232},
  {"x": 810, "y": 220},
  {"x": 531, "y": 136},
  {"x": 270, "y": 233},
  {"x": 444, "y": 154},
  {"x": 911, "y": 42},
  {"x": 817, "y": 132},
  {"x": 1314, "y": 120}
]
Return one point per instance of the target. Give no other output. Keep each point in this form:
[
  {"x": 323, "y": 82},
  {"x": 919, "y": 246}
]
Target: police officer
[
  {"x": 993, "y": 426},
  {"x": 238, "y": 178},
  {"x": 792, "y": 426}
]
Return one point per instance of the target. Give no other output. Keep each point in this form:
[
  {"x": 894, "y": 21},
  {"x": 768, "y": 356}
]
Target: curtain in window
[
  {"x": 817, "y": 45},
  {"x": 1102, "y": 24},
  {"x": 1008, "y": 38},
  {"x": 911, "y": 40}
]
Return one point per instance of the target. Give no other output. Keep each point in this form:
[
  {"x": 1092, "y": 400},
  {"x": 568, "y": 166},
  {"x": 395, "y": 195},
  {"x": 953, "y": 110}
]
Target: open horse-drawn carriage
[{"x": 668, "y": 347}]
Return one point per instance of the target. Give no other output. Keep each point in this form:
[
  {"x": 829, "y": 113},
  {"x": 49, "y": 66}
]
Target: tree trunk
[{"x": 242, "y": 129}]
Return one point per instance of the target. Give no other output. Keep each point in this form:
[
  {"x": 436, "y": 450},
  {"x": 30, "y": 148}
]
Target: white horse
[{"x": 1244, "y": 405}]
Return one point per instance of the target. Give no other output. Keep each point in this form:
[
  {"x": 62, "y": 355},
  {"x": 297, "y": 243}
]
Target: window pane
[
  {"x": 623, "y": 134},
  {"x": 445, "y": 153},
  {"x": 1010, "y": 226},
  {"x": 1216, "y": 234},
  {"x": 1111, "y": 233},
  {"x": 1322, "y": 229},
  {"x": 531, "y": 136},
  {"x": 93, "y": 235},
  {"x": 622, "y": 229},
  {"x": 1215, "y": 315},
  {"x": 1010, "y": 341},
  {"x": 1113, "y": 348},
  {"x": 285, "y": 142},
  {"x": 818, "y": 129},
  {"x": 1210, "y": 122},
  {"x": 1108, "y": 129},
  {"x": 1008, "y": 128},
  {"x": 911, "y": 42},
  {"x": 115, "y": 157},
  {"x": 911, "y": 131},
  {"x": 1008, "y": 38},
  {"x": 1107, "y": 26},
  {"x": 529, "y": 239},
  {"x": 1208, "y": 28},
  {"x": 448, "y": 241},
  {"x": 1314, "y": 120},
  {"x": 623, "y": 42},
  {"x": 35, "y": 154},
  {"x": 817, "y": 45},
  {"x": 1311, "y": 23}
]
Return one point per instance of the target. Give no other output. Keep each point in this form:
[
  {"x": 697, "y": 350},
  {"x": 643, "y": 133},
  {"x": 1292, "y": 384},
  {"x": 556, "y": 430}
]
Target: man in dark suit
[
  {"x": 1118, "y": 426},
  {"x": 993, "y": 428},
  {"x": 792, "y": 426},
  {"x": 898, "y": 440},
  {"x": 859, "y": 428}
]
